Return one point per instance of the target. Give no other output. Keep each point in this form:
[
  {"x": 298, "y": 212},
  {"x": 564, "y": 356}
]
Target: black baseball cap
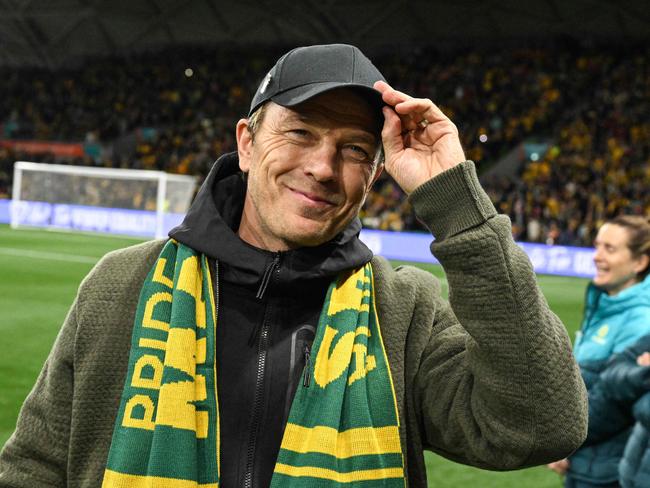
[{"x": 308, "y": 71}]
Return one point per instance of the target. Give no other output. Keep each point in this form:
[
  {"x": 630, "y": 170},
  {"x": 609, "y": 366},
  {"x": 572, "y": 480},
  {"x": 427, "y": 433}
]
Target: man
[{"x": 270, "y": 348}]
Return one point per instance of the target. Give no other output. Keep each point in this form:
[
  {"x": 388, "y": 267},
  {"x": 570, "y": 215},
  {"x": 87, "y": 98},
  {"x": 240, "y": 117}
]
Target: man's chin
[
  {"x": 308, "y": 234},
  {"x": 308, "y": 240}
]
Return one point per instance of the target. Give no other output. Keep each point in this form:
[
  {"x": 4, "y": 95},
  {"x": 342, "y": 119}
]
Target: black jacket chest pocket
[{"x": 301, "y": 341}]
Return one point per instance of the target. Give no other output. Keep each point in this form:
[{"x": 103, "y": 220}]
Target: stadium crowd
[
  {"x": 599, "y": 163},
  {"x": 175, "y": 111}
]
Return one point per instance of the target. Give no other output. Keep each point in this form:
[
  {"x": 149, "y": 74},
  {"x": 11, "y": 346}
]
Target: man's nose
[{"x": 322, "y": 162}]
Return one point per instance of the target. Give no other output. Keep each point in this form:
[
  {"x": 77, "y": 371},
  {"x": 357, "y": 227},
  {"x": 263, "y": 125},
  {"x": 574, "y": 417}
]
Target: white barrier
[
  {"x": 414, "y": 246},
  {"x": 141, "y": 223},
  {"x": 404, "y": 246}
]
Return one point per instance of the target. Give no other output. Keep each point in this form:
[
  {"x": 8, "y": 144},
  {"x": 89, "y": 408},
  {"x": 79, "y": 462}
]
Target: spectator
[
  {"x": 617, "y": 313},
  {"x": 625, "y": 384}
]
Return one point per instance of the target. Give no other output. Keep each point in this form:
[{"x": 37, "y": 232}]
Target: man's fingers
[
  {"x": 382, "y": 86},
  {"x": 412, "y": 111},
  {"x": 420, "y": 109},
  {"x": 389, "y": 94},
  {"x": 414, "y": 115},
  {"x": 391, "y": 133},
  {"x": 395, "y": 97}
]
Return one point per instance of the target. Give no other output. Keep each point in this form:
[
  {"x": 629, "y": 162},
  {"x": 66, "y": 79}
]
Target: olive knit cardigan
[{"x": 489, "y": 380}]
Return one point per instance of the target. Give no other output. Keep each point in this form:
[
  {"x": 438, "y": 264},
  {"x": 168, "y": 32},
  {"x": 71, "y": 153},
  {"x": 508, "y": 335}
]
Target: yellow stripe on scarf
[
  {"x": 121, "y": 480},
  {"x": 353, "y": 442},
  {"x": 348, "y": 295},
  {"x": 169, "y": 396},
  {"x": 329, "y": 474}
]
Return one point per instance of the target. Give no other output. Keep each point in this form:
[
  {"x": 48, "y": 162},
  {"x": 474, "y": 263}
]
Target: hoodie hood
[{"x": 211, "y": 224}]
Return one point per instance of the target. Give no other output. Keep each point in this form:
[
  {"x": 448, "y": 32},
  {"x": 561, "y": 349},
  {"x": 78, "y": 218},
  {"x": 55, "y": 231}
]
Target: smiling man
[
  {"x": 264, "y": 345},
  {"x": 309, "y": 169}
]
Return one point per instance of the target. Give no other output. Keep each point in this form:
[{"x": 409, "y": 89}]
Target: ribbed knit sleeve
[
  {"x": 65, "y": 426},
  {"x": 36, "y": 455},
  {"x": 497, "y": 385}
]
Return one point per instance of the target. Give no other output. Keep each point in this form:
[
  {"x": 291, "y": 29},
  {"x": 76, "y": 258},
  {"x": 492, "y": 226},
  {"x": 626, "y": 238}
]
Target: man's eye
[
  {"x": 356, "y": 153},
  {"x": 299, "y": 132}
]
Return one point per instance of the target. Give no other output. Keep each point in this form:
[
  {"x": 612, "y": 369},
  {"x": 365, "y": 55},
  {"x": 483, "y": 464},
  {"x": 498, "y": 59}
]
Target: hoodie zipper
[
  {"x": 270, "y": 274},
  {"x": 266, "y": 279}
]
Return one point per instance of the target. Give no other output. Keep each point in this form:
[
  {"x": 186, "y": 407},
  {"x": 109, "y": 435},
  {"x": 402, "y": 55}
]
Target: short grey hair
[{"x": 255, "y": 120}]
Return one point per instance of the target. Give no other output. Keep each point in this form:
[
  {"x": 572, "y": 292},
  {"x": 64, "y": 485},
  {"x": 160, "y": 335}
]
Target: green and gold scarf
[{"x": 343, "y": 430}]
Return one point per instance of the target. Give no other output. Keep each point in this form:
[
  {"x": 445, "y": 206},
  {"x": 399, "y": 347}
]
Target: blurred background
[{"x": 551, "y": 98}]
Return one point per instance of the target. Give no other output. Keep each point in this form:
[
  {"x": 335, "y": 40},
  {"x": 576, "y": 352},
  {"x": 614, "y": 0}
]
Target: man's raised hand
[{"x": 420, "y": 141}]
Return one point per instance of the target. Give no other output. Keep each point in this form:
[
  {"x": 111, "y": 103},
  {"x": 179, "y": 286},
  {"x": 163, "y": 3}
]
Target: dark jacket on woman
[
  {"x": 628, "y": 386},
  {"x": 611, "y": 324}
]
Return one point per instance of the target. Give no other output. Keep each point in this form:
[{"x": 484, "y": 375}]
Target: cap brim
[
  {"x": 301, "y": 94},
  {"x": 298, "y": 95}
]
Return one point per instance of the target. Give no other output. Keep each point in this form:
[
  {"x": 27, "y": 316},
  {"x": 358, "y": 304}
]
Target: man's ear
[{"x": 244, "y": 144}]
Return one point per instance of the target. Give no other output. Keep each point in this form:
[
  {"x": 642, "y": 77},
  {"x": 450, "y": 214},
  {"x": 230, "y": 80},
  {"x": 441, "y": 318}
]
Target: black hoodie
[{"x": 268, "y": 304}]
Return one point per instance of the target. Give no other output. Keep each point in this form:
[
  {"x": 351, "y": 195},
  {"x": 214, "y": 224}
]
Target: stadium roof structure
[{"x": 56, "y": 33}]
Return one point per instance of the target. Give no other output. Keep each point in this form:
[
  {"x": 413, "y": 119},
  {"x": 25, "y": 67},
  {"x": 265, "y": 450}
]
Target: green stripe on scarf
[
  {"x": 342, "y": 430},
  {"x": 166, "y": 427}
]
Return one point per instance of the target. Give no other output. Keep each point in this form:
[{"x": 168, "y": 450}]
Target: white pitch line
[{"x": 52, "y": 256}]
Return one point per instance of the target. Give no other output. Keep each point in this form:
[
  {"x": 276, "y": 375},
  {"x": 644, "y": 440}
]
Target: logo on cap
[{"x": 265, "y": 82}]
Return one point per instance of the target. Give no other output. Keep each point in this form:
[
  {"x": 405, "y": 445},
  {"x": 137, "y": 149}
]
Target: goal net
[{"x": 117, "y": 201}]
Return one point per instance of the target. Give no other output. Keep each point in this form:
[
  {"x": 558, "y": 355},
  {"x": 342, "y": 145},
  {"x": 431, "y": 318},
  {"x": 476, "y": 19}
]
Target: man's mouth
[{"x": 314, "y": 198}]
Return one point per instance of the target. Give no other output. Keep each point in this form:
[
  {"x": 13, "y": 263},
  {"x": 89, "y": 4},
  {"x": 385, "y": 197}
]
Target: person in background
[
  {"x": 626, "y": 384},
  {"x": 617, "y": 314}
]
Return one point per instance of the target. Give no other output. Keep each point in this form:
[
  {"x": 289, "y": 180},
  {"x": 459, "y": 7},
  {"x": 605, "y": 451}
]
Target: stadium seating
[{"x": 175, "y": 111}]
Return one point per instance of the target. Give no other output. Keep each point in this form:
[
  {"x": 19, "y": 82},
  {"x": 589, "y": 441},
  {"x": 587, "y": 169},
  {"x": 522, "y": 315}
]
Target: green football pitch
[{"x": 39, "y": 275}]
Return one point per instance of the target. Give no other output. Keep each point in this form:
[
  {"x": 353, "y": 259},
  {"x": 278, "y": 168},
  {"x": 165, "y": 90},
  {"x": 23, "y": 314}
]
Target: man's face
[
  {"x": 616, "y": 267},
  {"x": 309, "y": 170}
]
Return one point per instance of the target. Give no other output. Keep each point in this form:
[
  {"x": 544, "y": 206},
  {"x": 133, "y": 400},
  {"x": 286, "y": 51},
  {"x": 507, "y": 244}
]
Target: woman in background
[{"x": 617, "y": 314}]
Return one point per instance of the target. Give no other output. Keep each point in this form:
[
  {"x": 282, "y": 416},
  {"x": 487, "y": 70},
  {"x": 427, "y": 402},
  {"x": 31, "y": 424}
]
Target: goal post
[{"x": 111, "y": 200}]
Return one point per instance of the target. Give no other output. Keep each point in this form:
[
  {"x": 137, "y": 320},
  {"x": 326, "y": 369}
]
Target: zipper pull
[
  {"x": 268, "y": 272},
  {"x": 307, "y": 375}
]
